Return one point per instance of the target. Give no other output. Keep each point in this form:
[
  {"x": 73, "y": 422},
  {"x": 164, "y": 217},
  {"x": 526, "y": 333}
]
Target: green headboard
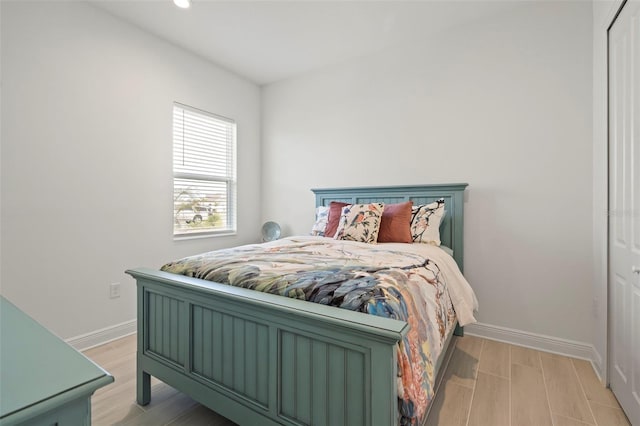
[{"x": 452, "y": 227}]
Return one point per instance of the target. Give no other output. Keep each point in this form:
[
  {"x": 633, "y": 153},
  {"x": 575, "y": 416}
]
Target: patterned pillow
[
  {"x": 322, "y": 216},
  {"x": 360, "y": 222},
  {"x": 425, "y": 222}
]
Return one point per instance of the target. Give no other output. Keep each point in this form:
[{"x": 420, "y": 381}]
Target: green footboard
[{"x": 264, "y": 359}]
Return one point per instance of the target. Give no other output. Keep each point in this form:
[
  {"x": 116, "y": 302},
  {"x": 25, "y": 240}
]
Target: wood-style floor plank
[
  {"x": 529, "y": 404},
  {"x": 451, "y": 406},
  {"x": 567, "y": 421},
  {"x": 594, "y": 390},
  {"x": 462, "y": 368},
  {"x": 495, "y": 359},
  {"x": 565, "y": 393},
  {"x": 116, "y": 414},
  {"x": 609, "y": 416},
  {"x": 161, "y": 414},
  {"x": 525, "y": 356},
  {"x": 201, "y": 416},
  {"x": 113, "y": 349},
  {"x": 490, "y": 405}
]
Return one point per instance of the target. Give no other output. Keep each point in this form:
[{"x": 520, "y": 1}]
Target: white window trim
[{"x": 230, "y": 179}]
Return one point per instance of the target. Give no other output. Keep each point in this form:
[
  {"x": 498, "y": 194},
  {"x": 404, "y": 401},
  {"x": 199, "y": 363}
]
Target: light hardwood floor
[{"x": 487, "y": 383}]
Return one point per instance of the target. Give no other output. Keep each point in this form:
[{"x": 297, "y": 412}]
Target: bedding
[{"x": 416, "y": 283}]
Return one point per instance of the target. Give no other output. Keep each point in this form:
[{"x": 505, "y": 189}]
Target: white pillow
[
  {"x": 322, "y": 216},
  {"x": 425, "y": 222}
]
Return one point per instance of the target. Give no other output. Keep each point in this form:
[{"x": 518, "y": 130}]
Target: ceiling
[{"x": 269, "y": 41}]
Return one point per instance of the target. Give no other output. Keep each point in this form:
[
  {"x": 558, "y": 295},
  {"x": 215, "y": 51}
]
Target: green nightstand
[{"x": 43, "y": 380}]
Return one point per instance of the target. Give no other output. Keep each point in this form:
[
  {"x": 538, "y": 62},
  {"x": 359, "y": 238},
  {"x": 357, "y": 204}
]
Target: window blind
[{"x": 204, "y": 172}]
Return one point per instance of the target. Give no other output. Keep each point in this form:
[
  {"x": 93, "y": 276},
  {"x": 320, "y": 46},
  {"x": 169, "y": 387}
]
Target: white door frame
[
  {"x": 616, "y": 7},
  {"x": 624, "y": 254},
  {"x": 604, "y": 15},
  {"x": 615, "y": 11}
]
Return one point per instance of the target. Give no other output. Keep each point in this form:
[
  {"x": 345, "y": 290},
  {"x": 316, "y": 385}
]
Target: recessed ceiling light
[{"x": 182, "y": 4}]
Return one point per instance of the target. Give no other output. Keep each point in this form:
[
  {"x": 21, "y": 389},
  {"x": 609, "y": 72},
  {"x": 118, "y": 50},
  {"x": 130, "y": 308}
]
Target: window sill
[{"x": 185, "y": 237}]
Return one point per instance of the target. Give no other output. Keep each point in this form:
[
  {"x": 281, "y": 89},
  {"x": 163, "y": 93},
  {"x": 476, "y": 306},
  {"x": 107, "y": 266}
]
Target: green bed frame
[{"x": 263, "y": 359}]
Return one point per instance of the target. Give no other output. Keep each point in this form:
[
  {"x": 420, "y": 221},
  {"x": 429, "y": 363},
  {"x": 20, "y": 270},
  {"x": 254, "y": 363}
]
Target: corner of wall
[
  {"x": 598, "y": 367},
  {"x": 102, "y": 336}
]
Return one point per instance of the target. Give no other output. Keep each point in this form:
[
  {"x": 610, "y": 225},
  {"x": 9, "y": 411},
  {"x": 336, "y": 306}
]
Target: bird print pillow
[
  {"x": 425, "y": 222},
  {"x": 360, "y": 222}
]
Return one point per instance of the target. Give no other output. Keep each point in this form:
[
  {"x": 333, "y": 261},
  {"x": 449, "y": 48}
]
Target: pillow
[
  {"x": 395, "y": 226},
  {"x": 335, "y": 210},
  {"x": 360, "y": 222},
  {"x": 425, "y": 222},
  {"x": 447, "y": 250},
  {"x": 322, "y": 214}
]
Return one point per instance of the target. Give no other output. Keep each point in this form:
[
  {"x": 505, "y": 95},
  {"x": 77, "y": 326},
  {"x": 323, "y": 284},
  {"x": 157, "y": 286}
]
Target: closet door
[{"x": 624, "y": 207}]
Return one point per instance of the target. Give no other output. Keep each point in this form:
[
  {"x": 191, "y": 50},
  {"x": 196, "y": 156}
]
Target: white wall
[
  {"x": 504, "y": 104},
  {"x": 86, "y": 158}
]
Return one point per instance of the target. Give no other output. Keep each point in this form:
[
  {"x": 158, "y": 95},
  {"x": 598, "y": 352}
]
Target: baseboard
[
  {"x": 596, "y": 363},
  {"x": 535, "y": 341},
  {"x": 102, "y": 336}
]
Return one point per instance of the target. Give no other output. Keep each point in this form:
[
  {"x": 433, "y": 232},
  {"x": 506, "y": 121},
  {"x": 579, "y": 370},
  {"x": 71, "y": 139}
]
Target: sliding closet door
[{"x": 624, "y": 206}]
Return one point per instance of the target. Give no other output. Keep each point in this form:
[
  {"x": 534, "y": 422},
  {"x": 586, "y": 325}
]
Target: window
[{"x": 204, "y": 173}]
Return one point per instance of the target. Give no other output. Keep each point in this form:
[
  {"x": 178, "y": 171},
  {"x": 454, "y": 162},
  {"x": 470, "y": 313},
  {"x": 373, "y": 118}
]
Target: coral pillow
[
  {"x": 396, "y": 223},
  {"x": 335, "y": 210}
]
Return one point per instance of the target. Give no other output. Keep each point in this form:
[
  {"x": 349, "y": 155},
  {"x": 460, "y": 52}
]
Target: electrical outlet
[{"x": 114, "y": 290}]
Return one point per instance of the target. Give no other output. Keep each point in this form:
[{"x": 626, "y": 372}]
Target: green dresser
[{"x": 43, "y": 380}]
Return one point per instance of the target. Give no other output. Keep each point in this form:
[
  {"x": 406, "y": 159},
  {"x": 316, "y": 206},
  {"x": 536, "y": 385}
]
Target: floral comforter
[{"x": 401, "y": 281}]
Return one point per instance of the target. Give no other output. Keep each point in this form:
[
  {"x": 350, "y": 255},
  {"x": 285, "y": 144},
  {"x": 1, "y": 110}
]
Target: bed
[{"x": 263, "y": 359}]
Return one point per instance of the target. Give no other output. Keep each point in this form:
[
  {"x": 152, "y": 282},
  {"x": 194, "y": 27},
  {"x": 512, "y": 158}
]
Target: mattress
[{"x": 417, "y": 283}]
